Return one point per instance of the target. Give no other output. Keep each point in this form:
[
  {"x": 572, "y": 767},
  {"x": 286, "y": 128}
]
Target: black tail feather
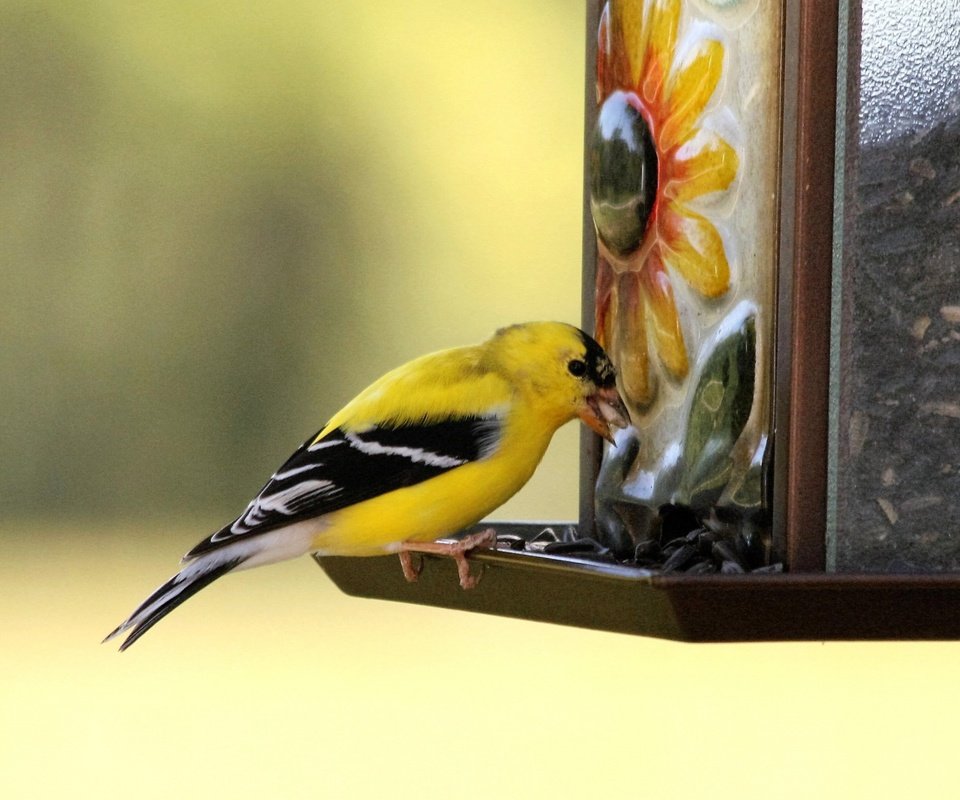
[{"x": 187, "y": 591}]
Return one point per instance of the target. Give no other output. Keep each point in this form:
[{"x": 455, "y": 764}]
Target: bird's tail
[{"x": 186, "y": 583}]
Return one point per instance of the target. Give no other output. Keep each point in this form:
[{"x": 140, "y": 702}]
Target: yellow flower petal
[
  {"x": 630, "y": 343},
  {"x": 605, "y": 83},
  {"x": 690, "y": 92},
  {"x": 666, "y": 322},
  {"x": 603, "y": 295},
  {"x": 693, "y": 247},
  {"x": 635, "y": 34},
  {"x": 696, "y": 171},
  {"x": 613, "y": 58},
  {"x": 663, "y": 20}
]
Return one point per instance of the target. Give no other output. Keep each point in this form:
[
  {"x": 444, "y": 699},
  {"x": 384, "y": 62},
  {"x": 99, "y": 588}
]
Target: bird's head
[{"x": 567, "y": 371}]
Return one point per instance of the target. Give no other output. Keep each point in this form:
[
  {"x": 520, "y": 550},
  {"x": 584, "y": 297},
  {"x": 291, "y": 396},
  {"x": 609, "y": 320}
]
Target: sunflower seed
[{"x": 680, "y": 558}]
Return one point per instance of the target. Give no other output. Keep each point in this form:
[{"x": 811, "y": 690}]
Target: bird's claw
[
  {"x": 410, "y": 572},
  {"x": 458, "y": 550}
]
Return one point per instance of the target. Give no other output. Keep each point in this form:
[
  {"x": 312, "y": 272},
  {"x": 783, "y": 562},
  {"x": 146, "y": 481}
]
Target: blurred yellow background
[{"x": 217, "y": 222}]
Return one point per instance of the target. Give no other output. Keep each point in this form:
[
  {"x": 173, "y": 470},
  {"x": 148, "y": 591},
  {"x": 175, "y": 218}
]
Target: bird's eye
[{"x": 577, "y": 368}]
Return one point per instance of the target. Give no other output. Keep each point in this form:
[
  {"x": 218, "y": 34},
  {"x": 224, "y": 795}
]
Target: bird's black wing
[{"x": 348, "y": 467}]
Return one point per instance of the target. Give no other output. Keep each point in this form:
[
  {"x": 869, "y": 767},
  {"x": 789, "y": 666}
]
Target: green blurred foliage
[{"x": 218, "y": 221}]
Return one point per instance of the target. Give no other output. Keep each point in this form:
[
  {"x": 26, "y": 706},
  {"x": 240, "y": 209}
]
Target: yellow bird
[{"x": 427, "y": 450}]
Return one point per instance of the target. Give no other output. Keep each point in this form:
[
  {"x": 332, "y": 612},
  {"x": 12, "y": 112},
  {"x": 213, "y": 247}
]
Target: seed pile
[{"x": 684, "y": 545}]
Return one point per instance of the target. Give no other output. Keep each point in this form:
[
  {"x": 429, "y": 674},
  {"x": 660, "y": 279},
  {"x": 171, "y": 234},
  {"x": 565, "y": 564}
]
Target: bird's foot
[
  {"x": 457, "y": 550},
  {"x": 410, "y": 572}
]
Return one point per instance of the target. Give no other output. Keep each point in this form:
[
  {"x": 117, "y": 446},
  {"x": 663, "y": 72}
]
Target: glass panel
[
  {"x": 683, "y": 165},
  {"x": 895, "y": 404}
]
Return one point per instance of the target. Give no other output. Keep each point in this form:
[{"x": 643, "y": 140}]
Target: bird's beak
[{"x": 605, "y": 409}]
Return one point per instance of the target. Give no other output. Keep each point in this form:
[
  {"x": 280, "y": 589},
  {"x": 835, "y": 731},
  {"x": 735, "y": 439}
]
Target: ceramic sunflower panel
[{"x": 683, "y": 173}]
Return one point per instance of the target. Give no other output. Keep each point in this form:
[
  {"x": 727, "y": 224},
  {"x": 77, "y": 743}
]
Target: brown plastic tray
[{"x": 703, "y": 608}]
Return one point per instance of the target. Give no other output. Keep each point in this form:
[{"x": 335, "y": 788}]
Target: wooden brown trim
[
  {"x": 806, "y": 251},
  {"x": 591, "y": 447}
]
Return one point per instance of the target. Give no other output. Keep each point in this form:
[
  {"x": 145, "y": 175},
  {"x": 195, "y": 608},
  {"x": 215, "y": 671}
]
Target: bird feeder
[{"x": 770, "y": 246}]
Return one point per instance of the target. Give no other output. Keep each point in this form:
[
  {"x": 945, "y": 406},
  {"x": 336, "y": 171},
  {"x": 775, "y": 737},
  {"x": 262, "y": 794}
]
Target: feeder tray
[{"x": 692, "y": 608}]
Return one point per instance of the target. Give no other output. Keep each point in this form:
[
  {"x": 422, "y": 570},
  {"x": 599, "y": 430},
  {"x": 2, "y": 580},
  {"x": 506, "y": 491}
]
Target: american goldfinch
[{"x": 427, "y": 450}]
